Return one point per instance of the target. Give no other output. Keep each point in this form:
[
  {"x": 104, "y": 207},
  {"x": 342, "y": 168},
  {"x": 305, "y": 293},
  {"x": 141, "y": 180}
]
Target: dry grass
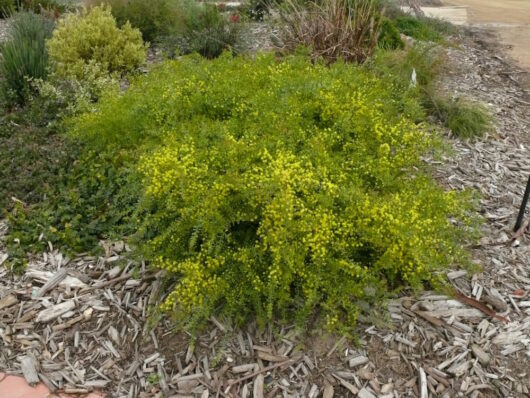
[{"x": 332, "y": 29}]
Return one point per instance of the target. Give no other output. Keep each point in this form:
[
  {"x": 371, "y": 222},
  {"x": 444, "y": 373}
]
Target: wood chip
[
  {"x": 29, "y": 371},
  {"x": 8, "y": 301},
  {"x": 258, "y": 386},
  {"x": 55, "y": 311}
]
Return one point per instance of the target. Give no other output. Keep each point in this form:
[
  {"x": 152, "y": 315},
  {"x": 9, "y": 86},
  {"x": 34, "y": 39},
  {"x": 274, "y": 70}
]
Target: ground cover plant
[{"x": 267, "y": 210}]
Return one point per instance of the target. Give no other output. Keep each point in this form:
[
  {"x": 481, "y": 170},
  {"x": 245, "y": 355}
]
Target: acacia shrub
[{"x": 298, "y": 189}]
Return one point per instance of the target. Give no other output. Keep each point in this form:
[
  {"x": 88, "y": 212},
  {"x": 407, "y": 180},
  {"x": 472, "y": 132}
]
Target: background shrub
[
  {"x": 209, "y": 32},
  {"x": 389, "y": 37},
  {"x": 55, "y": 6},
  {"x": 181, "y": 26},
  {"x": 91, "y": 43},
  {"x": 346, "y": 29},
  {"x": 299, "y": 188},
  {"x": 154, "y": 18},
  {"x": 24, "y": 56},
  {"x": 257, "y": 9}
]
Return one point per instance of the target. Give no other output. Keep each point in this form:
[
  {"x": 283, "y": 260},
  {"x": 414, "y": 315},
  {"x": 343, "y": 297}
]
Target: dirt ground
[{"x": 509, "y": 18}]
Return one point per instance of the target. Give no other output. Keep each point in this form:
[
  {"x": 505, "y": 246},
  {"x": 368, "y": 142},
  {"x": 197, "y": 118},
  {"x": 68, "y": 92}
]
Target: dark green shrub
[
  {"x": 298, "y": 188},
  {"x": 208, "y": 31},
  {"x": 154, "y": 18},
  {"x": 389, "y": 38},
  {"x": 180, "y": 26},
  {"x": 24, "y": 56}
]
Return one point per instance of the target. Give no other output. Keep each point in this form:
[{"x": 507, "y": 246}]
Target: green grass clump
[
  {"x": 300, "y": 189},
  {"x": 389, "y": 38},
  {"x": 464, "y": 118},
  {"x": 7, "y": 7},
  {"x": 207, "y": 31},
  {"x": 425, "y": 29},
  {"x": 24, "y": 56}
]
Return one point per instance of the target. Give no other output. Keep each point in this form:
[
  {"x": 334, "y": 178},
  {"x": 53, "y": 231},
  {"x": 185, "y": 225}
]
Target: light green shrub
[
  {"x": 298, "y": 189},
  {"x": 59, "y": 97},
  {"x": 92, "y": 40}
]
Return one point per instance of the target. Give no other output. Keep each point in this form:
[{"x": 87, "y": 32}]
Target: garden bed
[
  {"x": 234, "y": 247},
  {"x": 456, "y": 346}
]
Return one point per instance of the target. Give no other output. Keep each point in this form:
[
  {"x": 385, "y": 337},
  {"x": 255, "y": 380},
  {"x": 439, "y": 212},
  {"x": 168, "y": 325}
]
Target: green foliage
[
  {"x": 30, "y": 159},
  {"x": 7, "y": 7},
  {"x": 59, "y": 97},
  {"x": 389, "y": 38},
  {"x": 257, "y": 9},
  {"x": 207, "y": 31},
  {"x": 155, "y": 18},
  {"x": 425, "y": 29},
  {"x": 299, "y": 188},
  {"x": 332, "y": 30},
  {"x": 37, "y": 6},
  {"x": 90, "y": 43},
  {"x": 93, "y": 197},
  {"x": 463, "y": 118},
  {"x": 24, "y": 56},
  {"x": 425, "y": 59},
  {"x": 180, "y": 26}
]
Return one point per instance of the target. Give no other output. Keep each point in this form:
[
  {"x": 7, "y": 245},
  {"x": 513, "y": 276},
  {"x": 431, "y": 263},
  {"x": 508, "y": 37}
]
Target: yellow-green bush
[
  {"x": 295, "y": 188},
  {"x": 92, "y": 40}
]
